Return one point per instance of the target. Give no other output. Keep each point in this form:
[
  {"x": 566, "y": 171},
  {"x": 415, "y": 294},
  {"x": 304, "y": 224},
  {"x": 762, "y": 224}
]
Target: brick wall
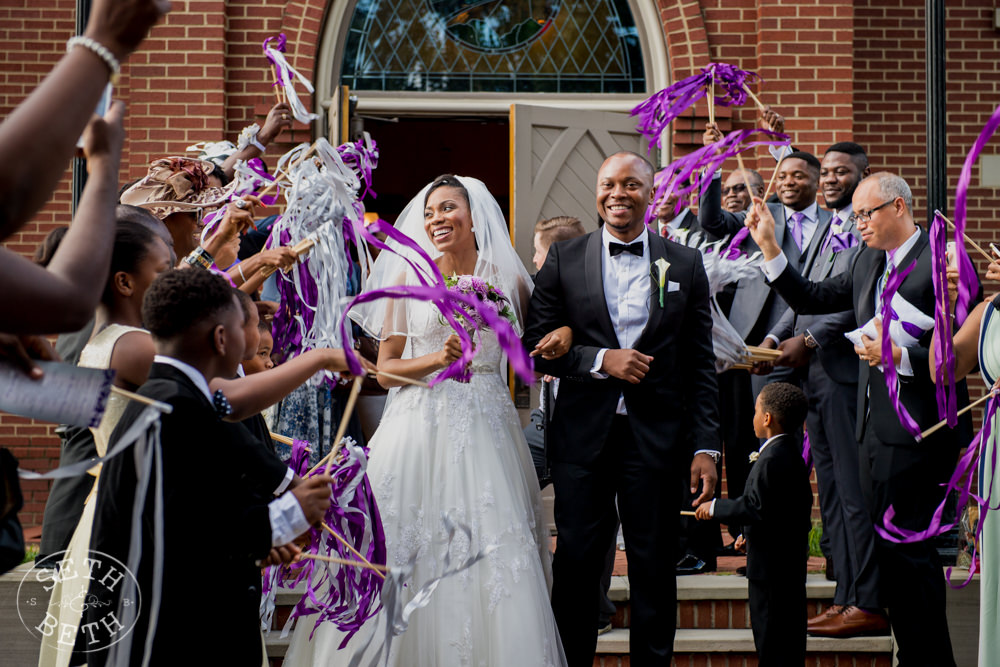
[{"x": 839, "y": 70}]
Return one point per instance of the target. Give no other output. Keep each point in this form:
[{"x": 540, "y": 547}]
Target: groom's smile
[{"x": 624, "y": 190}]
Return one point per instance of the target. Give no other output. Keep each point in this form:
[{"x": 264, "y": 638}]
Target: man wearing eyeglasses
[
  {"x": 897, "y": 471},
  {"x": 735, "y": 196}
]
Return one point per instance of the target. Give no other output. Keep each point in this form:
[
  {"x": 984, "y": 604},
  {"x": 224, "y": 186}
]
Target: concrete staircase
[{"x": 713, "y": 627}]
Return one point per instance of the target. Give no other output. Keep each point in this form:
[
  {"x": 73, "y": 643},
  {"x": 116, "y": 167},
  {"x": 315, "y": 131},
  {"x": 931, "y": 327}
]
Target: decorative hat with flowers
[{"x": 177, "y": 184}]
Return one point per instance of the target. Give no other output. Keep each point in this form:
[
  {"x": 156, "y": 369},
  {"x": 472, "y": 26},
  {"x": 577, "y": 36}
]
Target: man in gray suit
[
  {"x": 816, "y": 343},
  {"x": 756, "y": 310}
]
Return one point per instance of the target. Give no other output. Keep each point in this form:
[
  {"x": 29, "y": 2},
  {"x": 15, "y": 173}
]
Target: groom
[{"x": 637, "y": 408}]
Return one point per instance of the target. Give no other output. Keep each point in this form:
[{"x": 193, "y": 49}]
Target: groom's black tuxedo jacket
[
  {"x": 217, "y": 480},
  {"x": 855, "y": 289},
  {"x": 673, "y": 411}
]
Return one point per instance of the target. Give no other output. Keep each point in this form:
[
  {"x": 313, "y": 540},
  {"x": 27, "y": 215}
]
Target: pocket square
[{"x": 673, "y": 286}]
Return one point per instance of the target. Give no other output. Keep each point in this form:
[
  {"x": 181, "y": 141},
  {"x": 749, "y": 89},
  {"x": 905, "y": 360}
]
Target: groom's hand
[
  {"x": 628, "y": 365},
  {"x": 703, "y": 470}
]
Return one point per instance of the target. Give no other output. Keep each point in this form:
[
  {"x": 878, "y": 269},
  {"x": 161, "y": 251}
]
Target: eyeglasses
[
  {"x": 736, "y": 189},
  {"x": 866, "y": 216}
]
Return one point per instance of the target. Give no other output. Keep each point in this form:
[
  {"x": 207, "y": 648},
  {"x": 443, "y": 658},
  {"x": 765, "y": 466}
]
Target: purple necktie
[{"x": 796, "y": 230}]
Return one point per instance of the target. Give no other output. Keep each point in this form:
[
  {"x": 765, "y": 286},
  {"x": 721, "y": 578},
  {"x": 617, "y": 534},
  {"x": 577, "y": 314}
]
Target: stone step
[
  {"x": 693, "y": 647},
  {"x": 704, "y": 601},
  {"x": 698, "y": 648}
]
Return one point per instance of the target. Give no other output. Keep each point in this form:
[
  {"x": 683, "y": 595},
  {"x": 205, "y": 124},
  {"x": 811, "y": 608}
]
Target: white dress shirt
[
  {"x": 287, "y": 519},
  {"x": 626, "y": 293}
]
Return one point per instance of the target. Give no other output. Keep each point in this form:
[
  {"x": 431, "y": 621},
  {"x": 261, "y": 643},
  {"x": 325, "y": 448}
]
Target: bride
[{"x": 455, "y": 449}]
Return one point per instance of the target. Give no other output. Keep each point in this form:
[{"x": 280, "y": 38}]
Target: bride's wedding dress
[{"x": 455, "y": 449}]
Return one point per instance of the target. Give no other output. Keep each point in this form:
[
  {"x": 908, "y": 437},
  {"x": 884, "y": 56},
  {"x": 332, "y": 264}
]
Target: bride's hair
[{"x": 449, "y": 181}]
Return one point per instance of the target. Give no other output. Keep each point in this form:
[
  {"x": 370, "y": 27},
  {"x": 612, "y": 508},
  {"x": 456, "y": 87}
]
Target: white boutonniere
[
  {"x": 754, "y": 456},
  {"x": 837, "y": 228},
  {"x": 659, "y": 270}
]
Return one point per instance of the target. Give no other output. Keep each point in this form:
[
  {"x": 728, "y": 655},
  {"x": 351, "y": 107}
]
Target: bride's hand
[
  {"x": 451, "y": 351},
  {"x": 554, "y": 344}
]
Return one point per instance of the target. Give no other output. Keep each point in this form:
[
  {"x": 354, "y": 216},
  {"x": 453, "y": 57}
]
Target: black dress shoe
[
  {"x": 727, "y": 551},
  {"x": 691, "y": 564}
]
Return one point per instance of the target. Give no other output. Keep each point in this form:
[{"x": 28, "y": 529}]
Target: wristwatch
[
  {"x": 199, "y": 257},
  {"x": 808, "y": 339},
  {"x": 714, "y": 454}
]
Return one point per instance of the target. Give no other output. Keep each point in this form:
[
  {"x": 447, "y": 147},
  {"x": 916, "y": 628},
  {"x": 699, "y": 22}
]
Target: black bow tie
[
  {"x": 221, "y": 404},
  {"x": 618, "y": 248}
]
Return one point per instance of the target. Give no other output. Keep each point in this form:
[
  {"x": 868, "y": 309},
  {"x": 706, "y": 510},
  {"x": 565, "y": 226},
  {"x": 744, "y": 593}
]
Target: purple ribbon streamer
[
  {"x": 285, "y": 329},
  {"x": 454, "y": 308},
  {"x": 352, "y": 595},
  {"x": 733, "y": 251},
  {"x": 944, "y": 356},
  {"x": 961, "y": 481},
  {"x": 256, "y": 165},
  {"x": 807, "y": 450},
  {"x": 280, "y": 45},
  {"x": 967, "y": 280},
  {"x": 699, "y": 166},
  {"x": 656, "y": 112},
  {"x": 896, "y": 278}
]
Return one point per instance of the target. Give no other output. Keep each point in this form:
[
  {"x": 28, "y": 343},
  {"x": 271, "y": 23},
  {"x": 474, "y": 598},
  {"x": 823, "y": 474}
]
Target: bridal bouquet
[{"x": 478, "y": 288}]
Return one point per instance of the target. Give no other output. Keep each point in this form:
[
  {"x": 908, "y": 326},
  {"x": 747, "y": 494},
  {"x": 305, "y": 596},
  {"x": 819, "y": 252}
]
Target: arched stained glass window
[{"x": 520, "y": 46}]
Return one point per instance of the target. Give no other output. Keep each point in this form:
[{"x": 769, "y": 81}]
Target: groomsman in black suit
[
  {"x": 755, "y": 309},
  {"x": 219, "y": 514},
  {"x": 637, "y": 411},
  {"x": 897, "y": 471}
]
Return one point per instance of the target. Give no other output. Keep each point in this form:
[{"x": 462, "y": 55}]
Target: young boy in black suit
[
  {"x": 221, "y": 508},
  {"x": 774, "y": 511}
]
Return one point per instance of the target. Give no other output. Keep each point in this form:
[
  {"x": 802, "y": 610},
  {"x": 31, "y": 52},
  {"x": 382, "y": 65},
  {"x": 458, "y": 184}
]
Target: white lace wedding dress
[{"x": 457, "y": 449}]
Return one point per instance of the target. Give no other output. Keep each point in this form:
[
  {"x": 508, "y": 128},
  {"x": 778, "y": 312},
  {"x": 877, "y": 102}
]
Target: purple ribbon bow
[{"x": 839, "y": 242}]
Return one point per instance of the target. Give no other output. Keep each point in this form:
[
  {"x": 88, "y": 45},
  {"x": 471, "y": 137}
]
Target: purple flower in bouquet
[{"x": 480, "y": 289}]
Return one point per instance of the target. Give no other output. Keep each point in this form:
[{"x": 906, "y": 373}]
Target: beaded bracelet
[{"x": 100, "y": 51}]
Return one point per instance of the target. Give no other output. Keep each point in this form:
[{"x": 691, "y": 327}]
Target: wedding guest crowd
[{"x": 161, "y": 281}]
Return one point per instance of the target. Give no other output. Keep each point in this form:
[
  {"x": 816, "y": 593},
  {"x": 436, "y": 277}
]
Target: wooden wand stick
[
  {"x": 273, "y": 184},
  {"x": 989, "y": 258},
  {"x": 944, "y": 422},
  {"x": 350, "y": 548},
  {"x": 165, "y": 408},
  {"x": 348, "y": 409},
  {"x": 343, "y": 561},
  {"x": 760, "y": 105}
]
